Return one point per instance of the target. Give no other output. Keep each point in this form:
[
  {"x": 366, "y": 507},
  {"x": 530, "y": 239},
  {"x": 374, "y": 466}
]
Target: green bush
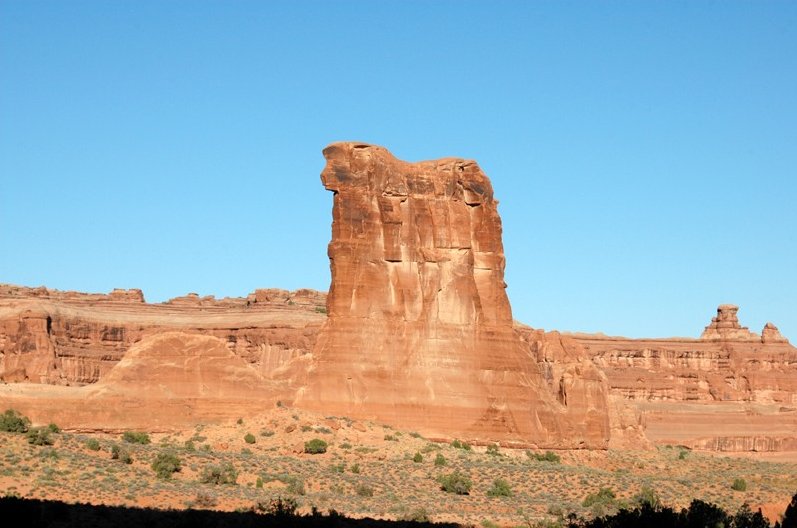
[
  {"x": 501, "y": 488},
  {"x": 492, "y": 449},
  {"x": 166, "y": 464},
  {"x": 39, "y": 436},
  {"x": 250, "y": 438},
  {"x": 135, "y": 437},
  {"x": 315, "y": 446},
  {"x": 548, "y": 456},
  {"x": 418, "y": 458},
  {"x": 53, "y": 428},
  {"x": 439, "y": 460},
  {"x": 121, "y": 454},
  {"x": 647, "y": 496},
  {"x": 604, "y": 496},
  {"x": 13, "y": 422},
  {"x": 739, "y": 484},
  {"x": 455, "y": 482},
  {"x": 461, "y": 445},
  {"x": 220, "y": 474},
  {"x": 93, "y": 444},
  {"x": 355, "y": 468}
]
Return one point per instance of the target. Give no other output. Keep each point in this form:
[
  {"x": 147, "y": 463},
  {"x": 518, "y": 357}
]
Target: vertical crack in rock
[{"x": 419, "y": 331}]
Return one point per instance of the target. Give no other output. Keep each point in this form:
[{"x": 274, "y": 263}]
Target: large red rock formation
[{"x": 420, "y": 330}]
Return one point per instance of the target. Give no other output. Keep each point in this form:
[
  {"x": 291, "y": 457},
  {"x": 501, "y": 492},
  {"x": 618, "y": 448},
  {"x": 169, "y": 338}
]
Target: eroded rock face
[
  {"x": 71, "y": 338},
  {"x": 725, "y": 326},
  {"x": 771, "y": 334},
  {"x": 420, "y": 331}
]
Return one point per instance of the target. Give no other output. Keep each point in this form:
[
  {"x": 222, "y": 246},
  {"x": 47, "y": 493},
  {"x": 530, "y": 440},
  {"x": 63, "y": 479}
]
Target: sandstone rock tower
[
  {"x": 725, "y": 326},
  {"x": 419, "y": 331}
]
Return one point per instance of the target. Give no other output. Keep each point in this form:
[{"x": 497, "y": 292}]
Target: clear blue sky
[{"x": 644, "y": 153}]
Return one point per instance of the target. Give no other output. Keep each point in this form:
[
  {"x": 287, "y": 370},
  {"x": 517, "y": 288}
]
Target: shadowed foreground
[{"x": 44, "y": 513}]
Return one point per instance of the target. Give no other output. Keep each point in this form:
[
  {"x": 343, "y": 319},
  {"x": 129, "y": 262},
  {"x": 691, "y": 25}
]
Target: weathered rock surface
[
  {"x": 165, "y": 381},
  {"x": 68, "y": 338},
  {"x": 420, "y": 330},
  {"x": 725, "y": 326},
  {"x": 732, "y": 390}
]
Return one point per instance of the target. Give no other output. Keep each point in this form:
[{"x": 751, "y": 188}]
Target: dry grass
[{"x": 371, "y": 472}]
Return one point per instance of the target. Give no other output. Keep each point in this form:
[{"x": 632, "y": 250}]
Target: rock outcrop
[
  {"x": 420, "y": 330},
  {"x": 725, "y": 326},
  {"x": 729, "y": 390},
  {"x": 771, "y": 334},
  {"x": 70, "y": 338}
]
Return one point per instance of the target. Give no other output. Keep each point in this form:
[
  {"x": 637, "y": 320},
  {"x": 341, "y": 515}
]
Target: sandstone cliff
[
  {"x": 70, "y": 338},
  {"x": 420, "y": 331}
]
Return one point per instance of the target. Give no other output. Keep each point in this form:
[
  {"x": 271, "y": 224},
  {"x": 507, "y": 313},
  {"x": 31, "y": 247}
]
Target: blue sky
[{"x": 644, "y": 153}]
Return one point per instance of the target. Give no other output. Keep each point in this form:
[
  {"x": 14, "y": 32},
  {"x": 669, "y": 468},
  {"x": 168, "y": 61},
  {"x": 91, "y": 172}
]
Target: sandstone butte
[{"x": 416, "y": 332}]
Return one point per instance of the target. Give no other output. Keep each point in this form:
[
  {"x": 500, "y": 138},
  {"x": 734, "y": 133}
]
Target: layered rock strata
[
  {"x": 69, "y": 338},
  {"x": 420, "y": 330}
]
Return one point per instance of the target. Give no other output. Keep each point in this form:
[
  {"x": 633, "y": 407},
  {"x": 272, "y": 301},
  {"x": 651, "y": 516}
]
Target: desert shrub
[
  {"x": 39, "y": 436},
  {"x": 93, "y": 444},
  {"x": 205, "y": 500},
  {"x": 501, "y": 488},
  {"x": 166, "y": 464},
  {"x": 295, "y": 486},
  {"x": 355, "y": 468},
  {"x": 391, "y": 438},
  {"x": 53, "y": 428},
  {"x": 345, "y": 445},
  {"x": 250, "y": 438},
  {"x": 266, "y": 432},
  {"x": 338, "y": 468},
  {"x": 306, "y": 428},
  {"x": 121, "y": 454},
  {"x": 455, "y": 482},
  {"x": 219, "y": 474},
  {"x": 439, "y": 460},
  {"x": 492, "y": 449},
  {"x": 364, "y": 490},
  {"x": 647, "y": 496},
  {"x": 418, "y": 515},
  {"x": 278, "y": 507},
  {"x": 604, "y": 497},
  {"x": 415, "y": 435},
  {"x": 259, "y": 482},
  {"x": 315, "y": 446},
  {"x": 548, "y": 456},
  {"x": 136, "y": 437},
  {"x": 682, "y": 454},
  {"x": 461, "y": 445},
  {"x": 189, "y": 446},
  {"x": 13, "y": 422},
  {"x": 239, "y": 421},
  {"x": 418, "y": 458},
  {"x": 739, "y": 484}
]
